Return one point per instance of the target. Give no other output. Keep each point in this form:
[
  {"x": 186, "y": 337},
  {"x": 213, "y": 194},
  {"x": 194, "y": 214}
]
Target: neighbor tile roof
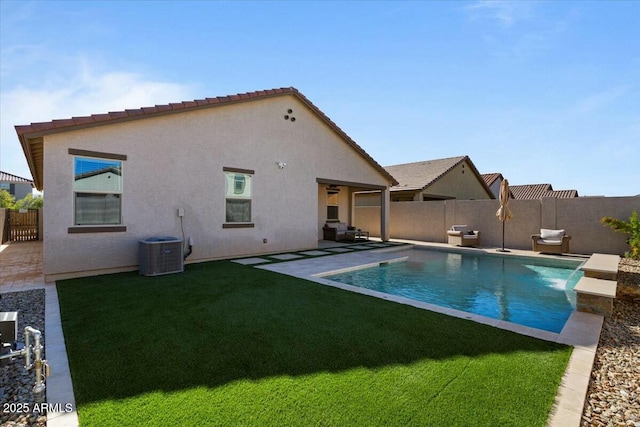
[
  {"x": 31, "y": 135},
  {"x": 490, "y": 178},
  {"x": 562, "y": 194},
  {"x": 531, "y": 191},
  {"x": 420, "y": 175},
  {"x": 539, "y": 191},
  {"x": 7, "y": 177}
]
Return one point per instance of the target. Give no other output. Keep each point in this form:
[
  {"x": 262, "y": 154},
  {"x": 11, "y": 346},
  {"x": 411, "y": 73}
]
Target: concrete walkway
[
  {"x": 21, "y": 266},
  {"x": 21, "y": 270}
]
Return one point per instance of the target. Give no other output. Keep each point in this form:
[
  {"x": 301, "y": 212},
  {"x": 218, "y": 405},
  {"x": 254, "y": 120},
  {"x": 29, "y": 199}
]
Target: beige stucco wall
[
  {"x": 585, "y": 213},
  {"x": 3, "y": 216},
  {"x": 176, "y": 162},
  {"x": 580, "y": 217},
  {"x": 460, "y": 183}
]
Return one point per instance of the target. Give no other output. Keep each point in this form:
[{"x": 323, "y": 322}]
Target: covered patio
[{"x": 336, "y": 204}]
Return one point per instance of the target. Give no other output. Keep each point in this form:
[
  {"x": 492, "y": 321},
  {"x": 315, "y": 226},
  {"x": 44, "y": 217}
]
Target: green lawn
[{"x": 226, "y": 344}]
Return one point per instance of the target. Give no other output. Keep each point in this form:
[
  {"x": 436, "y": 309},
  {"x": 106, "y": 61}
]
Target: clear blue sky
[{"x": 542, "y": 92}]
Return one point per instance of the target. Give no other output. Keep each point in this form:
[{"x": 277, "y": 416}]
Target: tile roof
[
  {"x": 7, "y": 177},
  {"x": 30, "y": 135},
  {"x": 490, "y": 178},
  {"x": 539, "y": 191},
  {"x": 562, "y": 194},
  {"x": 420, "y": 175},
  {"x": 138, "y": 113}
]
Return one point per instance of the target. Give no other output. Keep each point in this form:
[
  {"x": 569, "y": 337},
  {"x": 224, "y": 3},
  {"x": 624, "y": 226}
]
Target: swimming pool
[{"x": 534, "y": 292}]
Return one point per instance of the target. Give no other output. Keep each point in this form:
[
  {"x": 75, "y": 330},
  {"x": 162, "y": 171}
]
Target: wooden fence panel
[{"x": 22, "y": 225}]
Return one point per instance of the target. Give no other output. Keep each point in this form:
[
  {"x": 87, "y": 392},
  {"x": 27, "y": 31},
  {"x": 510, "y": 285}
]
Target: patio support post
[
  {"x": 352, "y": 207},
  {"x": 385, "y": 201}
]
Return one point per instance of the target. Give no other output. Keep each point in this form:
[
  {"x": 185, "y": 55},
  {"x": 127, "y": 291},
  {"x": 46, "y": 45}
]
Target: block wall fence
[{"x": 579, "y": 217}]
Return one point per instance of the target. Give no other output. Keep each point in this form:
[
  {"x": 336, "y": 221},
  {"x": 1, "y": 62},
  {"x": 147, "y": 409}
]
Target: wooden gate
[{"x": 21, "y": 225}]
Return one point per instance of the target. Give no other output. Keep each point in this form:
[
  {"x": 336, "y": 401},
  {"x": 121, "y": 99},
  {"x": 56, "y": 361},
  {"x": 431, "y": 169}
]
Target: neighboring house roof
[
  {"x": 490, "y": 178},
  {"x": 420, "y": 175},
  {"x": 539, "y": 191},
  {"x": 562, "y": 194},
  {"x": 109, "y": 169},
  {"x": 528, "y": 192},
  {"x": 31, "y": 135},
  {"x": 7, "y": 177}
]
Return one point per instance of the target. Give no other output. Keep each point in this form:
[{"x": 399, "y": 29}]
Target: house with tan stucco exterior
[
  {"x": 438, "y": 179},
  {"x": 241, "y": 175},
  {"x": 431, "y": 180}
]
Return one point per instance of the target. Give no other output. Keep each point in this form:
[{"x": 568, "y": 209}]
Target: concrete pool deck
[{"x": 581, "y": 331}]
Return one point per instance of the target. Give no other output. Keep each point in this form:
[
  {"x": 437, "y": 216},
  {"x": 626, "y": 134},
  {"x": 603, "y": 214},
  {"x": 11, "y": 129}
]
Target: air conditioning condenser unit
[{"x": 160, "y": 255}]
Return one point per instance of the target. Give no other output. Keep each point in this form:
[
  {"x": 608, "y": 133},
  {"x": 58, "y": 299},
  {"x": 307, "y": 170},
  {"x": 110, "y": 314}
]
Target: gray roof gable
[{"x": 419, "y": 175}]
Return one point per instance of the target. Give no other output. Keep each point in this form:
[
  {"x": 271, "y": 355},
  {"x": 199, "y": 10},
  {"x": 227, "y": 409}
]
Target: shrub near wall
[{"x": 628, "y": 280}]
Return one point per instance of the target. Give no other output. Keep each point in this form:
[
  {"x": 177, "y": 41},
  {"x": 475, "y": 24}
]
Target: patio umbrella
[{"x": 504, "y": 213}]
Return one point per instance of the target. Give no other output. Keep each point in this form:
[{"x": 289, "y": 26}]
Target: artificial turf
[{"x": 226, "y": 344}]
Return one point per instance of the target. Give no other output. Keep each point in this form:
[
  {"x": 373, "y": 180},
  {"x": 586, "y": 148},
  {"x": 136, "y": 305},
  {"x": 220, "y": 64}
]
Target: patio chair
[
  {"x": 550, "y": 241},
  {"x": 460, "y": 235}
]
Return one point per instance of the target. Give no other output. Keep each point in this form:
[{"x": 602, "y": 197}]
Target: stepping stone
[
  {"x": 285, "y": 257},
  {"x": 377, "y": 245},
  {"x": 359, "y": 247},
  {"x": 315, "y": 253},
  {"x": 250, "y": 261},
  {"x": 338, "y": 250}
]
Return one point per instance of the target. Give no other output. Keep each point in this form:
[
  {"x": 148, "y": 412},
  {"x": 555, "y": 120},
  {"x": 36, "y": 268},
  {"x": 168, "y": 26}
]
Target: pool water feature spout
[
  {"x": 577, "y": 270},
  {"x": 570, "y": 283}
]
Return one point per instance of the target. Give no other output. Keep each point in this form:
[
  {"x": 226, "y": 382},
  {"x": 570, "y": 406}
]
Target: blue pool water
[{"x": 528, "y": 291}]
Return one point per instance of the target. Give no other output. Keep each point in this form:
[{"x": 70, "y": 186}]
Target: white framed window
[
  {"x": 238, "y": 197},
  {"x": 97, "y": 191}
]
